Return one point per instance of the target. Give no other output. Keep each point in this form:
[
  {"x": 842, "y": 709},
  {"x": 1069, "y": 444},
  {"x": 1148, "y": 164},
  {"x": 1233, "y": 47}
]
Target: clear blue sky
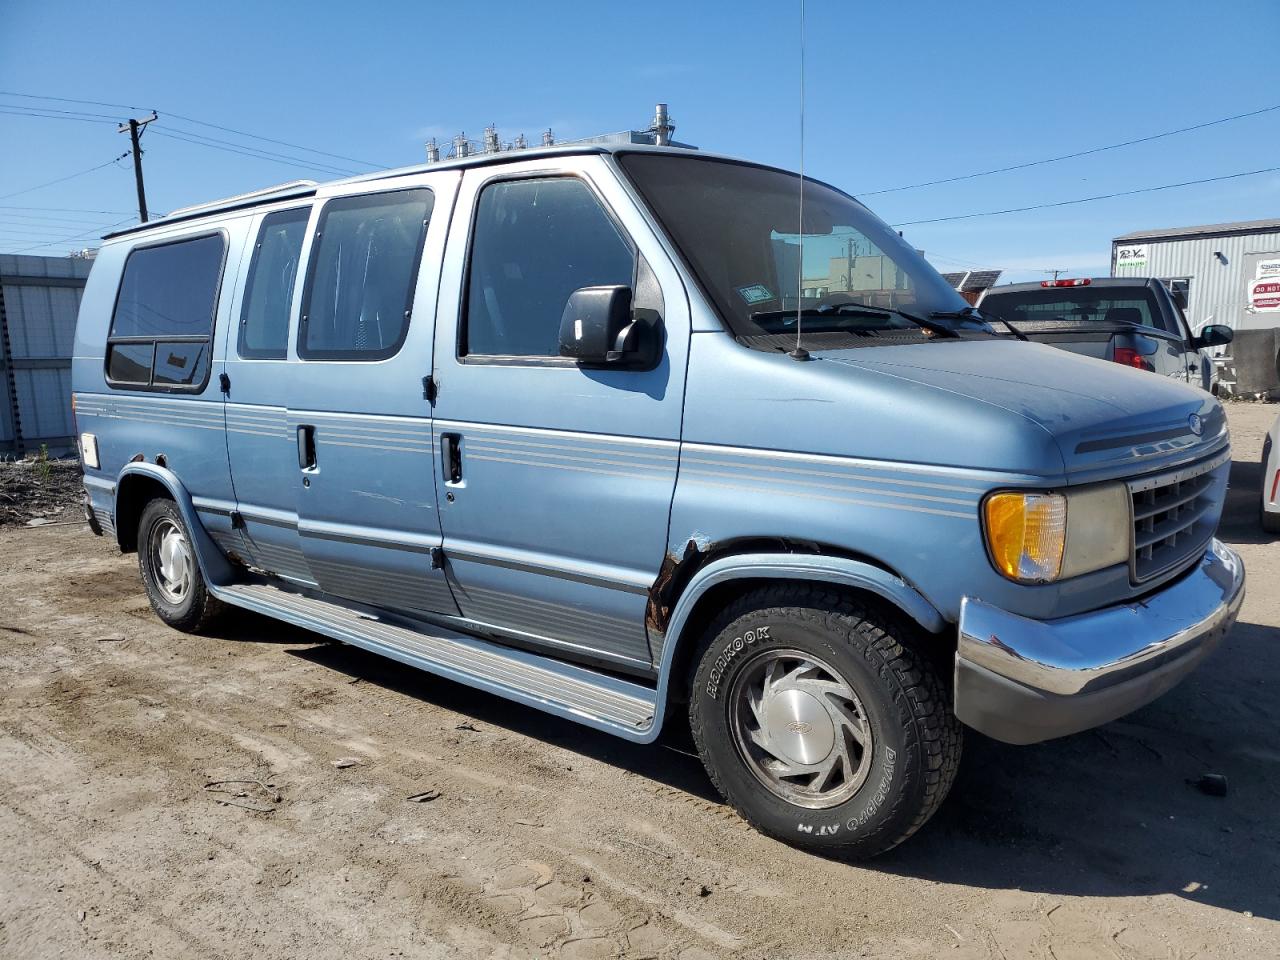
[{"x": 897, "y": 93}]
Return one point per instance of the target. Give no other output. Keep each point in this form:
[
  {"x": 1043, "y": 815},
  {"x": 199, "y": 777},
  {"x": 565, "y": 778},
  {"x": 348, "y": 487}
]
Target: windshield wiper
[
  {"x": 838, "y": 309},
  {"x": 861, "y": 310},
  {"x": 974, "y": 313},
  {"x": 938, "y": 329}
]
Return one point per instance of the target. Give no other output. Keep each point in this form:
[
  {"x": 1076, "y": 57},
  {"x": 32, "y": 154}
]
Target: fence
[{"x": 39, "y": 300}]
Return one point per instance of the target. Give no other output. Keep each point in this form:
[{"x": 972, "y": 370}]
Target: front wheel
[
  {"x": 819, "y": 724},
  {"x": 170, "y": 571}
]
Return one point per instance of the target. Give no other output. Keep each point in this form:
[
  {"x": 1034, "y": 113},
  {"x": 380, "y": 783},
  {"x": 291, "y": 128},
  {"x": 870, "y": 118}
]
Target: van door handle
[
  {"x": 306, "y": 448},
  {"x": 451, "y": 455}
]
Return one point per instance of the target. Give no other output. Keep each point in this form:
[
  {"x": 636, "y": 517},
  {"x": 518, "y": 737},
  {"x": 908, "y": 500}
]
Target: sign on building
[
  {"x": 1131, "y": 257},
  {"x": 1264, "y": 288}
]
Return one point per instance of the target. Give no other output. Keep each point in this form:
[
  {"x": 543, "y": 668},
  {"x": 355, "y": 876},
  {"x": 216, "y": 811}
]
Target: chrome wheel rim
[
  {"x": 170, "y": 560},
  {"x": 800, "y": 728}
]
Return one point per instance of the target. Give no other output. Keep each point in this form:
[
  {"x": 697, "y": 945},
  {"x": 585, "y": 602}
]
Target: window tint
[
  {"x": 130, "y": 362},
  {"x": 170, "y": 290},
  {"x": 264, "y": 318},
  {"x": 361, "y": 275},
  {"x": 182, "y": 363},
  {"x": 169, "y": 293},
  {"x": 535, "y": 242}
]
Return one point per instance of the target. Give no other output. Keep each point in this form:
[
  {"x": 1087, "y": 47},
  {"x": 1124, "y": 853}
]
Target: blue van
[{"x": 602, "y": 431}]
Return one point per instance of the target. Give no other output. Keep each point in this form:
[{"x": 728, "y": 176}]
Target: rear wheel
[
  {"x": 170, "y": 571},
  {"x": 819, "y": 723}
]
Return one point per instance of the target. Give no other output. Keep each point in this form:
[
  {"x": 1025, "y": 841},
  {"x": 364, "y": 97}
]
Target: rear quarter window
[
  {"x": 162, "y": 325},
  {"x": 1050, "y": 305}
]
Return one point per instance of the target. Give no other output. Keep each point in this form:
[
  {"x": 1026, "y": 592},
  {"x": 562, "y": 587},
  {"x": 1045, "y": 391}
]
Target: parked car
[
  {"x": 1134, "y": 322},
  {"x": 1270, "y": 499},
  {"x": 557, "y": 424}
]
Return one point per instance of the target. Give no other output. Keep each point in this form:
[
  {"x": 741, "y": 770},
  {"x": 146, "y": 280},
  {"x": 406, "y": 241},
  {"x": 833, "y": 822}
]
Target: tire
[
  {"x": 170, "y": 572},
  {"x": 839, "y": 662}
]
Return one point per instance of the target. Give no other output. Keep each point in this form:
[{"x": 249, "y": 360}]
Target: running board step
[{"x": 587, "y": 696}]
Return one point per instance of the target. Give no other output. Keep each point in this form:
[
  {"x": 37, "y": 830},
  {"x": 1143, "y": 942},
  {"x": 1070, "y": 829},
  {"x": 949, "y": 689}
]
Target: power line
[
  {"x": 1103, "y": 196},
  {"x": 280, "y": 143},
  {"x": 113, "y": 213},
  {"x": 17, "y": 226},
  {"x": 249, "y": 151},
  {"x": 13, "y": 112},
  {"x": 92, "y": 103},
  {"x": 969, "y": 264},
  {"x": 202, "y": 123},
  {"x": 1071, "y": 156},
  {"x": 14, "y": 217},
  {"x": 76, "y": 236},
  {"x": 70, "y": 176}
]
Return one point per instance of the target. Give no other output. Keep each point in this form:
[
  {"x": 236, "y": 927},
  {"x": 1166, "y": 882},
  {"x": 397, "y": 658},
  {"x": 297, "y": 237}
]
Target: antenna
[{"x": 800, "y": 353}]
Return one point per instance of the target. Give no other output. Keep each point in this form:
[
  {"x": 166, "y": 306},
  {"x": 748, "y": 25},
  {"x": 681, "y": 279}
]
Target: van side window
[
  {"x": 163, "y": 320},
  {"x": 361, "y": 275},
  {"x": 534, "y": 243},
  {"x": 264, "y": 317}
]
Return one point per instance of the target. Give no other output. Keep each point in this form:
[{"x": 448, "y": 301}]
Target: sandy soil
[{"x": 550, "y": 840}]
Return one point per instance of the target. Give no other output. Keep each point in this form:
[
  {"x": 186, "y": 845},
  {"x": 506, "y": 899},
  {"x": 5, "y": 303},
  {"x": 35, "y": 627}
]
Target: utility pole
[
  {"x": 135, "y": 128},
  {"x": 1055, "y": 273}
]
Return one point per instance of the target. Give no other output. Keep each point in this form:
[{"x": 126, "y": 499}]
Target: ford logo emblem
[
  {"x": 799, "y": 727},
  {"x": 1196, "y": 424}
]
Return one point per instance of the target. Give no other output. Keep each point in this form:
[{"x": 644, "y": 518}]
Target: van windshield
[{"x": 738, "y": 227}]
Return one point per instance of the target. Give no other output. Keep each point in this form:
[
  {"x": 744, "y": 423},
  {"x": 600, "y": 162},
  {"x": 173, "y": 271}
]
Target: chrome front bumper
[{"x": 1023, "y": 681}]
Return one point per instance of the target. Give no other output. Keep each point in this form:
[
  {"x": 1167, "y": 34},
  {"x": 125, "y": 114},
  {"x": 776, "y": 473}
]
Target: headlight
[{"x": 1042, "y": 537}]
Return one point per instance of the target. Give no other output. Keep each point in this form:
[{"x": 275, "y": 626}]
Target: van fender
[
  {"x": 763, "y": 566},
  {"x": 213, "y": 565}
]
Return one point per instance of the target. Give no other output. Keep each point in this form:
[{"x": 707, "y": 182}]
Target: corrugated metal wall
[
  {"x": 1217, "y": 290},
  {"x": 39, "y": 300}
]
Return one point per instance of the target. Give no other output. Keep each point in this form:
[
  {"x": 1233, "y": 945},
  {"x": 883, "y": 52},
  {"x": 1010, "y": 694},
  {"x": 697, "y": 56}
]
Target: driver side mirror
[
  {"x": 1214, "y": 335},
  {"x": 597, "y": 329}
]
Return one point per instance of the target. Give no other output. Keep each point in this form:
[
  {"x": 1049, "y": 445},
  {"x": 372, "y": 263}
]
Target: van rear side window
[
  {"x": 264, "y": 319},
  {"x": 163, "y": 321},
  {"x": 361, "y": 275}
]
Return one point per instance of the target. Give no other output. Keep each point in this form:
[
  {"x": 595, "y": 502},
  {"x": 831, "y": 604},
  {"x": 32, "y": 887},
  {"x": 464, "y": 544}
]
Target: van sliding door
[{"x": 358, "y": 412}]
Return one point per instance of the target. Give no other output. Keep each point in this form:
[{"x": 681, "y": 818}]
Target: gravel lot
[{"x": 547, "y": 839}]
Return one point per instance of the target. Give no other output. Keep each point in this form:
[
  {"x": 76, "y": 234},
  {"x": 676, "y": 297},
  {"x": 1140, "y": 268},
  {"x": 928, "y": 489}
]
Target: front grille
[{"x": 1174, "y": 515}]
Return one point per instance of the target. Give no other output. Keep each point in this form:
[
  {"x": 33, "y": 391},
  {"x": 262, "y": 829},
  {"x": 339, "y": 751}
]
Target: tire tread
[{"x": 933, "y": 731}]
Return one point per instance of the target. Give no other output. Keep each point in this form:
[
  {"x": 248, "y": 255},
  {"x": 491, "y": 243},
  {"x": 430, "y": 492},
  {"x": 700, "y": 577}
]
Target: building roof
[
  {"x": 972, "y": 279},
  {"x": 1207, "y": 230}
]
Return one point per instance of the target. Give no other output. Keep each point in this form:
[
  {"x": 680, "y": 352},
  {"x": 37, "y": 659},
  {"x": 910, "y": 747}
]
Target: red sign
[{"x": 1265, "y": 294}]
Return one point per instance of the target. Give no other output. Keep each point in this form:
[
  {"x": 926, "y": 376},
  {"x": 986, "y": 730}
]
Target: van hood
[{"x": 1105, "y": 418}]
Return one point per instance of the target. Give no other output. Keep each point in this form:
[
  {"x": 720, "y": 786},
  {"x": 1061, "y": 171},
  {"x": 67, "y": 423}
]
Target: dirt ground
[
  {"x": 547, "y": 839},
  {"x": 36, "y": 491}
]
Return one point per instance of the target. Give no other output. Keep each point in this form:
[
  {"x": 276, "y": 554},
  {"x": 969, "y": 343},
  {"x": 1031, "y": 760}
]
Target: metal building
[
  {"x": 1228, "y": 272},
  {"x": 39, "y": 300}
]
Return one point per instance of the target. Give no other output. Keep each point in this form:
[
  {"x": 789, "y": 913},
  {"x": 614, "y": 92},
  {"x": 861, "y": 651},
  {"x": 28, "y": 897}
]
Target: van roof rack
[{"x": 287, "y": 189}]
